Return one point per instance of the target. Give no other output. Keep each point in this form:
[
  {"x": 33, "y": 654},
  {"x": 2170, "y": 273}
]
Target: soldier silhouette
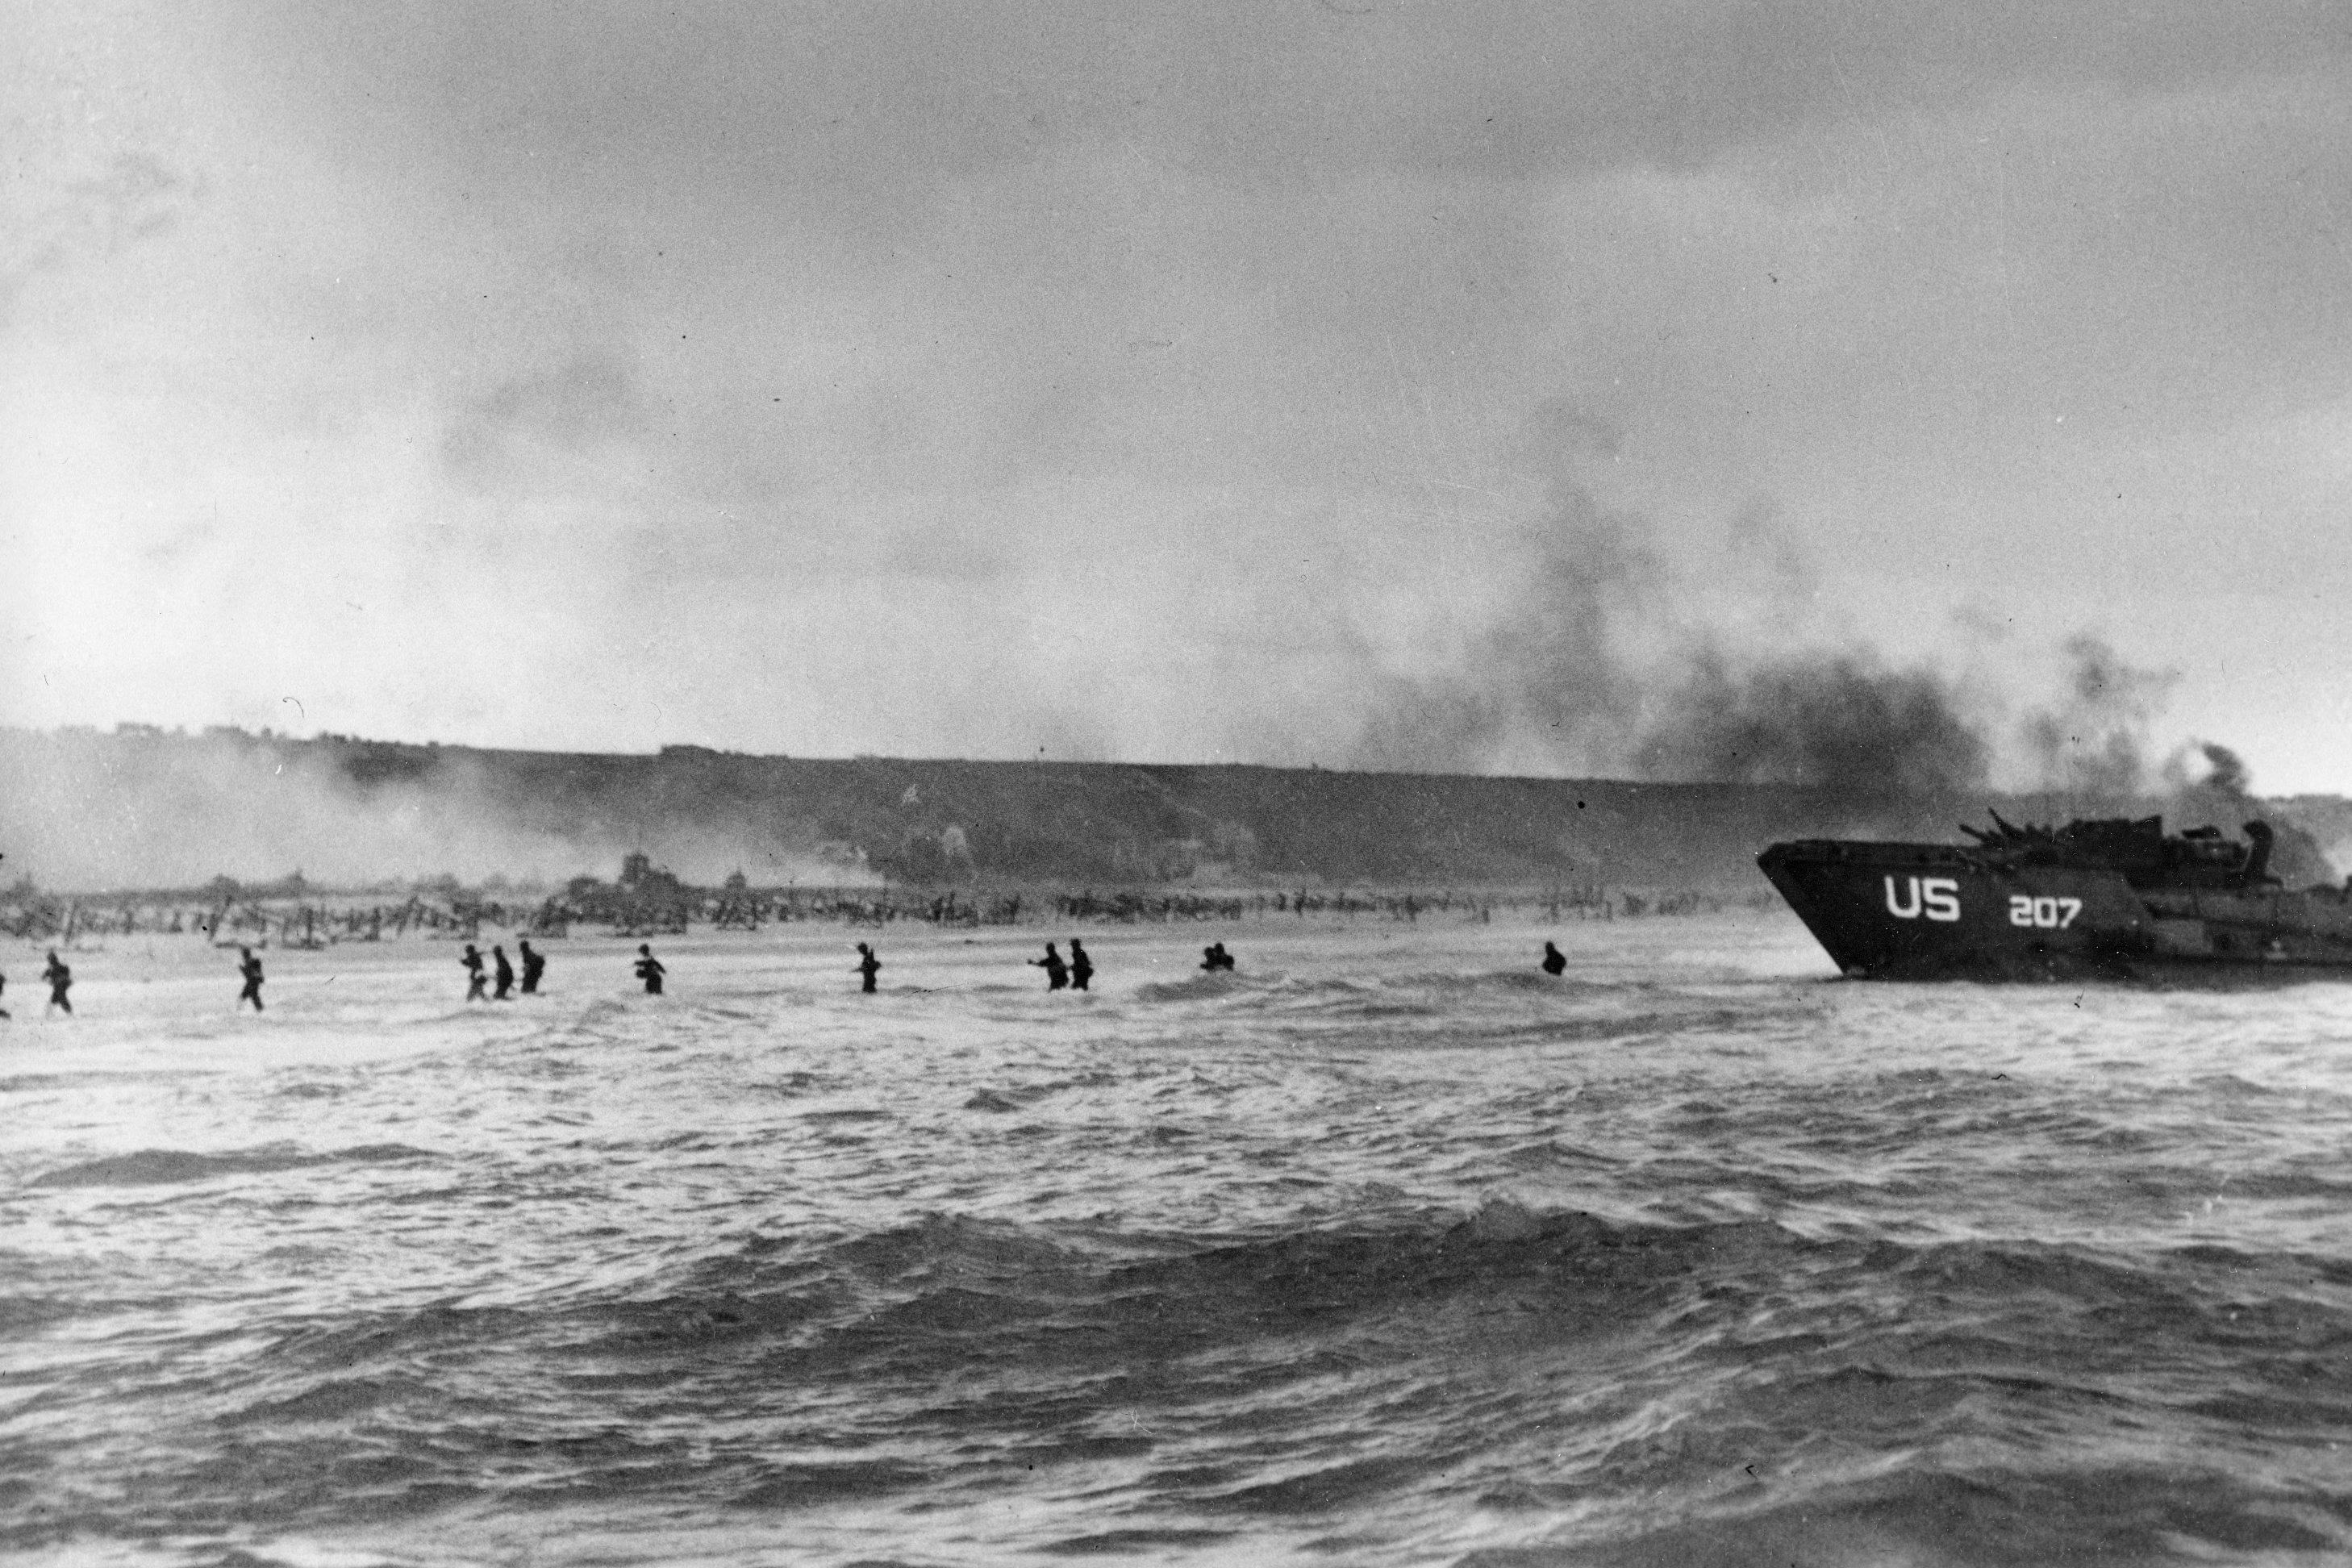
[
  {"x": 249, "y": 967},
  {"x": 869, "y": 966},
  {"x": 1082, "y": 968},
  {"x": 60, "y": 978},
  {"x": 1554, "y": 960},
  {"x": 1057, "y": 974}
]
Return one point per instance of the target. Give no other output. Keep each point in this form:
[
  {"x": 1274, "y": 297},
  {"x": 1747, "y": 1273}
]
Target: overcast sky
[{"x": 987, "y": 379}]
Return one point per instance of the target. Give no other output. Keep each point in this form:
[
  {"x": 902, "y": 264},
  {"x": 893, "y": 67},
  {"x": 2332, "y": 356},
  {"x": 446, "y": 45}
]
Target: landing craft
[{"x": 2115, "y": 896}]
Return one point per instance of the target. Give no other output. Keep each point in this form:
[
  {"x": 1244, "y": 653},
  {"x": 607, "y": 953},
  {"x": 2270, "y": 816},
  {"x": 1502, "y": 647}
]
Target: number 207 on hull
[{"x": 2053, "y": 914}]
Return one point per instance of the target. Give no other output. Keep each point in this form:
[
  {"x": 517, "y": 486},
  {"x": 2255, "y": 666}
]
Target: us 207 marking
[
  {"x": 1938, "y": 898},
  {"x": 2057, "y": 913}
]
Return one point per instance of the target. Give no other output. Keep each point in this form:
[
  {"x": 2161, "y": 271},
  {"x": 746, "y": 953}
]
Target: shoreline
[{"x": 320, "y": 919}]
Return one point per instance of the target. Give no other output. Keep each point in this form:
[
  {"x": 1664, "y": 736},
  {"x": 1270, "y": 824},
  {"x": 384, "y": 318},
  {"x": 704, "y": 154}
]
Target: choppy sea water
[{"x": 1386, "y": 1249}]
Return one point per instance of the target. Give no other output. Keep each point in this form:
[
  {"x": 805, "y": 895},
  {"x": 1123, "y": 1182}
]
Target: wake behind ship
[{"x": 2111, "y": 896}]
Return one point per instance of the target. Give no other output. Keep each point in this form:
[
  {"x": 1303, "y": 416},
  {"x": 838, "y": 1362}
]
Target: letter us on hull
[{"x": 1931, "y": 908}]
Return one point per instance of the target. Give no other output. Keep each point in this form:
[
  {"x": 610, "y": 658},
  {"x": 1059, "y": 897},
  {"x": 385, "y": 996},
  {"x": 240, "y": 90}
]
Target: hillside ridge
[{"x": 142, "y": 807}]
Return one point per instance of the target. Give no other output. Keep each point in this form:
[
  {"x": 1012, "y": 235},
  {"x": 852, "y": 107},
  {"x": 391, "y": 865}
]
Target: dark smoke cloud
[
  {"x": 2094, "y": 739},
  {"x": 1840, "y": 720},
  {"x": 1592, "y": 668},
  {"x": 1604, "y": 663},
  {"x": 2208, "y": 785},
  {"x": 2093, "y": 748},
  {"x": 1546, "y": 678},
  {"x": 2228, "y": 774}
]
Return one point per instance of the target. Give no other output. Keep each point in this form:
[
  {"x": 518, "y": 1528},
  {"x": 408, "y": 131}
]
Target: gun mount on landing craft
[{"x": 2137, "y": 848}]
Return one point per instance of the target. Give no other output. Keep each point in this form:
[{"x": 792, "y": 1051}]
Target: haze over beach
[{"x": 1445, "y": 388}]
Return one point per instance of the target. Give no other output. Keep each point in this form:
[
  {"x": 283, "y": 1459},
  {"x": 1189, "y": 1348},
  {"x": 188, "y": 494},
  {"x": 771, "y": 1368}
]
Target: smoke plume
[
  {"x": 1544, "y": 683},
  {"x": 1609, "y": 661},
  {"x": 2211, "y": 786},
  {"x": 1598, "y": 666},
  {"x": 2094, "y": 741},
  {"x": 2226, "y": 773},
  {"x": 1840, "y": 720}
]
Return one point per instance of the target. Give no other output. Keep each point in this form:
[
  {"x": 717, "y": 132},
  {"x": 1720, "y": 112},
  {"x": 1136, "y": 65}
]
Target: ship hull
[{"x": 1934, "y": 910}]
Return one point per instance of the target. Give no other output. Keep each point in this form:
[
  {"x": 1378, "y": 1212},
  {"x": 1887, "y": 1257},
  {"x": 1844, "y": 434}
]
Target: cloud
[
  {"x": 825, "y": 105},
  {"x": 88, "y": 217},
  {"x": 582, "y": 409},
  {"x": 1193, "y": 373}
]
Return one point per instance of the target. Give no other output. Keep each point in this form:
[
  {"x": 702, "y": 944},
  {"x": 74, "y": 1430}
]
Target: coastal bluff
[{"x": 141, "y": 808}]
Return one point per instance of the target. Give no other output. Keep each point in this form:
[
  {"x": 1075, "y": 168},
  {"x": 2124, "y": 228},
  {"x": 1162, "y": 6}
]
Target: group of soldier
[
  {"x": 534, "y": 964},
  {"x": 59, "y": 975},
  {"x": 1075, "y": 973}
]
